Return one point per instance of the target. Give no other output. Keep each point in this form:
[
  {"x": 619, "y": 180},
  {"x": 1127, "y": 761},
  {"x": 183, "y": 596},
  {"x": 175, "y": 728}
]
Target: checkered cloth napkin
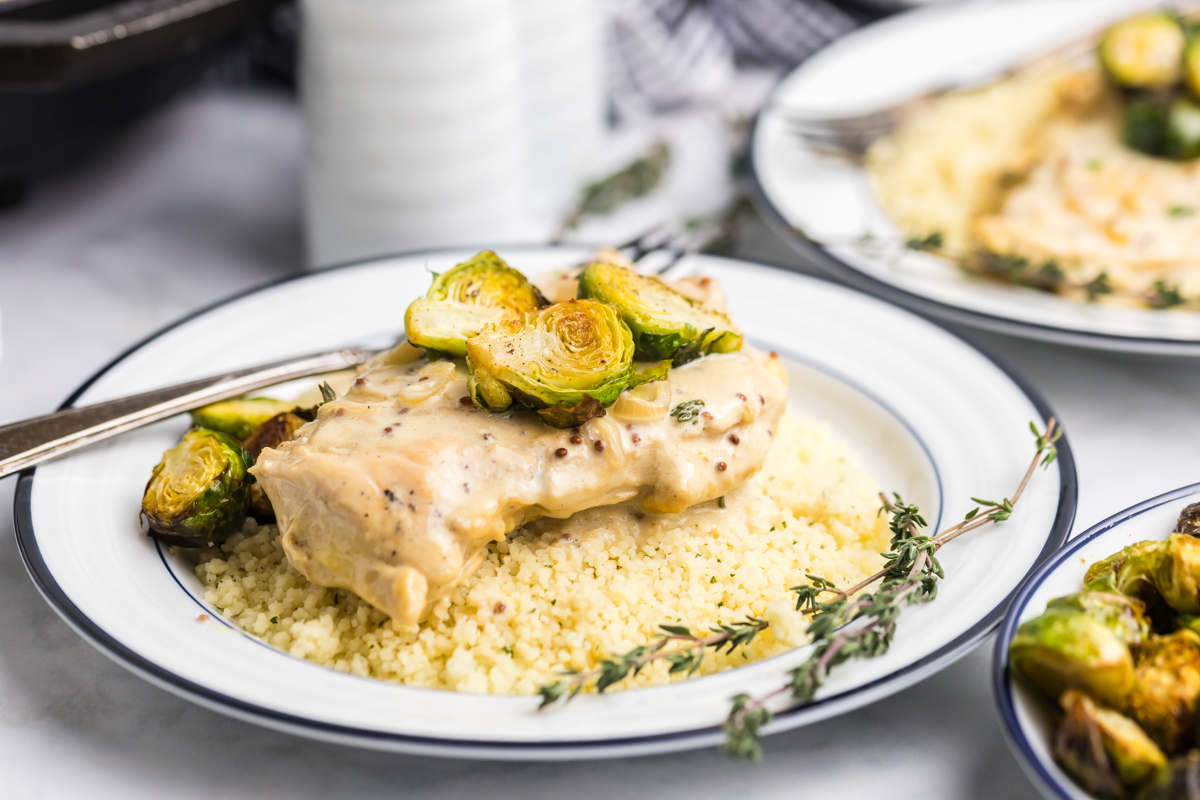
[{"x": 664, "y": 54}]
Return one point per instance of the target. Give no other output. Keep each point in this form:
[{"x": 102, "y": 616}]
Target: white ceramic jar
[{"x": 444, "y": 122}]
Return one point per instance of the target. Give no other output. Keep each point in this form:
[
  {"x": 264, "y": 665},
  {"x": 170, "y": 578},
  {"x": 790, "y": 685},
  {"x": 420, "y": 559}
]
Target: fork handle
[{"x": 25, "y": 444}]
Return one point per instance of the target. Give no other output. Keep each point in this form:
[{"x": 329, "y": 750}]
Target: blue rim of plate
[
  {"x": 1001, "y": 680},
  {"x": 58, "y": 600},
  {"x": 927, "y": 307}
]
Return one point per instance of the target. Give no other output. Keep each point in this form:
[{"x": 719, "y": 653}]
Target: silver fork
[
  {"x": 33, "y": 441},
  {"x": 854, "y": 134}
]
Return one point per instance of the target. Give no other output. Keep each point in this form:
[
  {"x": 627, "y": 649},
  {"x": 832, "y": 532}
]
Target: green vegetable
[
  {"x": 1191, "y": 66},
  {"x": 241, "y": 417},
  {"x": 465, "y": 300},
  {"x": 569, "y": 360},
  {"x": 1165, "y": 688},
  {"x": 1125, "y": 616},
  {"x": 1133, "y": 571},
  {"x": 272, "y": 433},
  {"x": 1144, "y": 52},
  {"x": 1178, "y": 781},
  {"x": 1162, "y": 127},
  {"x": 1183, "y": 130},
  {"x": 1069, "y": 649},
  {"x": 1178, "y": 575},
  {"x": 664, "y": 323},
  {"x": 199, "y": 492},
  {"x": 1127, "y": 757}
]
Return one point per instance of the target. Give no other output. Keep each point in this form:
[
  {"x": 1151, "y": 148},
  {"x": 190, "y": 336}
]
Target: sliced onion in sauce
[{"x": 645, "y": 403}]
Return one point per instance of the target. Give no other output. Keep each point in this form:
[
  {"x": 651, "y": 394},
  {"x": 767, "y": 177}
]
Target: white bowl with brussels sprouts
[{"x": 1097, "y": 664}]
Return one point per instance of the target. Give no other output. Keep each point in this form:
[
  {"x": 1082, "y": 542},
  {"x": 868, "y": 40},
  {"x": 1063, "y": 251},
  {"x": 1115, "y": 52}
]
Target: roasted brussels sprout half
[
  {"x": 1178, "y": 576},
  {"x": 1189, "y": 520},
  {"x": 272, "y": 433},
  {"x": 1183, "y": 130},
  {"x": 241, "y": 417},
  {"x": 199, "y": 492},
  {"x": 664, "y": 323},
  {"x": 465, "y": 300},
  {"x": 1191, "y": 65},
  {"x": 1102, "y": 749},
  {"x": 1145, "y": 126},
  {"x": 1133, "y": 571},
  {"x": 1125, "y": 616},
  {"x": 1144, "y": 52},
  {"x": 1166, "y": 129},
  {"x": 1069, "y": 649},
  {"x": 1180, "y": 780},
  {"x": 569, "y": 360},
  {"x": 1165, "y": 688}
]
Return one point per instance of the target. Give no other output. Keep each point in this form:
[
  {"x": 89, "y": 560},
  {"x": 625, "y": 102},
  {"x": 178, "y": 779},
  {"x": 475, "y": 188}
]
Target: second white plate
[{"x": 823, "y": 205}]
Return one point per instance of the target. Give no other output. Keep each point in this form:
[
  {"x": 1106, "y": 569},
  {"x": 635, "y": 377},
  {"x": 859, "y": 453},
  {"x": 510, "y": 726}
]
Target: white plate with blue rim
[
  {"x": 928, "y": 415},
  {"x": 1028, "y": 718},
  {"x": 824, "y": 205}
]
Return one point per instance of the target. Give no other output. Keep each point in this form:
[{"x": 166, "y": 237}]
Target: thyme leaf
[{"x": 688, "y": 411}]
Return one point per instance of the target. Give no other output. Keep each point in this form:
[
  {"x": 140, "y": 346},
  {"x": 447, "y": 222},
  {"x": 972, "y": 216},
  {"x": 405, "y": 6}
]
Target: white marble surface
[{"x": 201, "y": 201}]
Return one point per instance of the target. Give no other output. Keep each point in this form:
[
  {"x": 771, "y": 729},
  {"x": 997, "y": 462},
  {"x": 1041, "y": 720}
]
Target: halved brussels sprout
[
  {"x": 465, "y": 300},
  {"x": 1125, "y": 616},
  {"x": 1183, "y": 130},
  {"x": 1178, "y": 575},
  {"x": 664, "y": 323},
  {"x": 1102, "y": 749},
  {"x": 1133, "y": 571},
  {"x": 1068, "y": 649},
  {"x": 1191, "y": 66},
  {"x": 239, "y": 417},
  {"x": 1145, "y": 126},
  {"x": 1178, "y": 781},
  {"x": 272, "y": 433},
  {"x": 199, "y": 492},
  {"x": 1144, "y": 52},
  {"x": 1165, "y": 688},
  {"x": 1189, "y": 520},
  {"x": 569, "y": 360}
]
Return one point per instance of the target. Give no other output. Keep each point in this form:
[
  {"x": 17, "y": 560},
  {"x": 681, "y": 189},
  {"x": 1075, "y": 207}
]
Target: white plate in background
[{"x": 823, "y": 204}]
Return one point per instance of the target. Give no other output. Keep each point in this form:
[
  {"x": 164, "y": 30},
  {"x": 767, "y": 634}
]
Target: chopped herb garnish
[
  {"x": 1100, "y": 285},
  {"x": 1181, "y": 211},
  {"x": 933, "y": 241},
  {"x": 1164, "y": 295},
  {"x": 688, "y": 411}
]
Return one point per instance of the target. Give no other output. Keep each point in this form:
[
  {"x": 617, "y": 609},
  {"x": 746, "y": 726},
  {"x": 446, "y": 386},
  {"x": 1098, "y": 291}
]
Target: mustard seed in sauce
[
  {"x": 706, "y": 415},
  {"x": 388, "y": 429},
  {"x": 636, "y": 438},
  {"x": 464, "y": 401},
  {"x": 360, "y": 381},
  {"x": 733, "y": 437},
  {"x": 576, "y": 440},
  {"x": 499, "y": 608},
  {"x": 423, "y": 378},
  {"x": 599, "y": 445},
  {"x": 720, "y": 466},
  {"x": 740, "y": 396},
  {"x": 561, "y": 452}
]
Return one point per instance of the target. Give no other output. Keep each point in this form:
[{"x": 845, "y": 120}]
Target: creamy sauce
[{"x": 394, "y": 491}]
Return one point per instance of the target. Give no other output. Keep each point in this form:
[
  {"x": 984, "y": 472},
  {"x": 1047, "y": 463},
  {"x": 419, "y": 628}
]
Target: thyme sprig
[
  {"x": 910, "y": 576},
  {"x": 1047, "y": 276},
  {"x": 686, "y": 659}
]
